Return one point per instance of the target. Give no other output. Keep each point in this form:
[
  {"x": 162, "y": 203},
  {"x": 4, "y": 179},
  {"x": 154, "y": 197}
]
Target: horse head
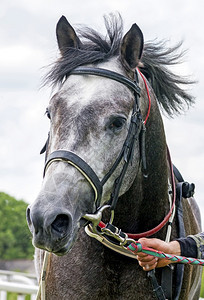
[{"x": 90, "y": 117}]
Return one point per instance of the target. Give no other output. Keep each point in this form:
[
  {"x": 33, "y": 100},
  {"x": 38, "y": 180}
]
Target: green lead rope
[{"x": 137, "y": 247}]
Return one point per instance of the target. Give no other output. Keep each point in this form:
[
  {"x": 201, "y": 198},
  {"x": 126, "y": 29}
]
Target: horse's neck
[{"x": 146, "y": 203}]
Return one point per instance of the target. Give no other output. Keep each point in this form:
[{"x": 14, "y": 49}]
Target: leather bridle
[
  {"x": 136, "y": 127},
  {"x": 136, "y": 130}
]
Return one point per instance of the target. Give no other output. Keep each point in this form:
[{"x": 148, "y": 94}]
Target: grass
[
  {"x": 13, "y": 296},
  {"x": 202, "y": 286}
]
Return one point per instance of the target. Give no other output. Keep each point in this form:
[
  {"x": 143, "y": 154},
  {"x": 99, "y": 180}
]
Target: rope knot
[{"x": 135, "y": 247}]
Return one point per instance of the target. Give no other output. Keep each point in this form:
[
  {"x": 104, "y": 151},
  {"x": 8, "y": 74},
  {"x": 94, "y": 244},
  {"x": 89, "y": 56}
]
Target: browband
[{"x": 108, "y": 74}]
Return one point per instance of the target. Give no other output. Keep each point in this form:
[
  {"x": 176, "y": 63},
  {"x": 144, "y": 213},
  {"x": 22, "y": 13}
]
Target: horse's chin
[
  {"x": 62, "y": 248},
  {"x": 68, "y": 246}
]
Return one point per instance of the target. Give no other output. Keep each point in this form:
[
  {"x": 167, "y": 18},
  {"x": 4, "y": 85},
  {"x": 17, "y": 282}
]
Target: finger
[
  {"x": 162, "y": 263},
  {"x": 149, "y": 267},
  {"x": 149, "y": 263},
  {"x": 141, "y": 255},
  {"x": 147, "y": 258}
]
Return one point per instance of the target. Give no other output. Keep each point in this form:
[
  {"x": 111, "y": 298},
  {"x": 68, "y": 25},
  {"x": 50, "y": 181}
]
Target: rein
[{"x": 167, "y": 217}]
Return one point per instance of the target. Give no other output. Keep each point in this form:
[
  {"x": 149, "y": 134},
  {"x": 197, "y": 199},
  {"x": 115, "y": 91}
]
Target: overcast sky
[{"x": 28, "y": 43}]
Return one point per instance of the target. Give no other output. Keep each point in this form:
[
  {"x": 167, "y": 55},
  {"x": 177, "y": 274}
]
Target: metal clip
[{"x": 95, "y": 219}]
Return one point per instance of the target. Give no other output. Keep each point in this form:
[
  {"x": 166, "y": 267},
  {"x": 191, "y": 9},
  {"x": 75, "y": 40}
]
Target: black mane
[
  {"x": 155, "y": 60},
  {"x": 167, "y": 86}
]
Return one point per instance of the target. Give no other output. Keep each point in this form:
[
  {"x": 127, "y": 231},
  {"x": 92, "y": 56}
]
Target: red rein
[{"x": 167, "y": 217}]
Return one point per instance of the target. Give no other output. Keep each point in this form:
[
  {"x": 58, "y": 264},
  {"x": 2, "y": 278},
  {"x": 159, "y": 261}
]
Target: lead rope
[
  {"x": 41, "y": 289},
  {"x": 137, "y": 247}
]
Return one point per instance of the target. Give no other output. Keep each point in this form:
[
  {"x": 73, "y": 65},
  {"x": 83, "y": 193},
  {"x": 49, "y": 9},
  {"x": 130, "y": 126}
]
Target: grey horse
[{"x": 90, "y": 116}]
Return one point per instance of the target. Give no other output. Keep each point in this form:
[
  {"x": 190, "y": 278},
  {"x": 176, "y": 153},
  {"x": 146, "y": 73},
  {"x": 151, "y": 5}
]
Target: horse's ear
[
  {"x": 66, "y": 36},
  {"x": 132, "y": 47}
]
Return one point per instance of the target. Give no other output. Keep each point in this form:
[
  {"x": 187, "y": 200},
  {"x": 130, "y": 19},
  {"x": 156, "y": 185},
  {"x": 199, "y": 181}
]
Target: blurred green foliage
[
  {"x": 15, "y": 237},
  {"x": 13, "y": 296},
  {"x": 202, "y": 286}
]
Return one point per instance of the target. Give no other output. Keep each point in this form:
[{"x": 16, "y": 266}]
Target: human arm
[{"x": 199, "y": 241}]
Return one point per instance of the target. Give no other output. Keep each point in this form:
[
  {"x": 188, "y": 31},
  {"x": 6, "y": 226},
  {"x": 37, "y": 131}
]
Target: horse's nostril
[{"x": 61, "y": 224}]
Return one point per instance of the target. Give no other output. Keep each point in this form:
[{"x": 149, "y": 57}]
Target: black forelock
[{"x": 95, "y": 48}]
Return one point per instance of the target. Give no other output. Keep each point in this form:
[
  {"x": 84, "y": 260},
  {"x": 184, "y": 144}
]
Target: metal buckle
[
  {"x": 95, "y": 219},
  {"x": 116, "y": 234},
  {"x": 109, "y": 230}
]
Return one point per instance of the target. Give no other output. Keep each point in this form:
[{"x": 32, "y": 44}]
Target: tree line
[{"x": 15, "y": 237}]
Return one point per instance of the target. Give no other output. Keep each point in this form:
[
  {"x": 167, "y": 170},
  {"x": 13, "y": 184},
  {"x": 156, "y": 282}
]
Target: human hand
[{"x": 149, "y": 262}]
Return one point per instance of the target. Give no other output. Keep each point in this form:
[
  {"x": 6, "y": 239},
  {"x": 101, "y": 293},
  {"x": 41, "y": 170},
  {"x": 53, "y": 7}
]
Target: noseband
[{"x": 137, "y": 125}]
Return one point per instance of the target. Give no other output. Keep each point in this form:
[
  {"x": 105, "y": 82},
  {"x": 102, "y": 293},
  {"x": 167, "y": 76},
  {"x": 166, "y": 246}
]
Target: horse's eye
[
  {"x": 47, "y": 113},
  {"x": 116, "y": 124}
]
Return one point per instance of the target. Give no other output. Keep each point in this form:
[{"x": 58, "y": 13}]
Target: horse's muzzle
[{"x": 51, "y": 232}]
